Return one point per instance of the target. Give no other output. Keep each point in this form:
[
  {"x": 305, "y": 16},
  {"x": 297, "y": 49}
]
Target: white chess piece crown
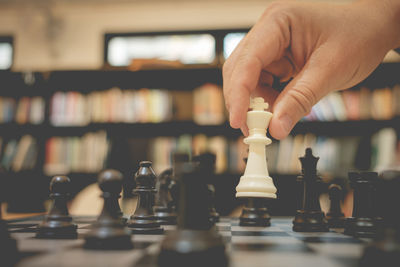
[{"x": 256, "y": 181}]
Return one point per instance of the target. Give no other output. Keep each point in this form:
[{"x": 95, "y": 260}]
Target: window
[
  {"x": 6, "y": 53},
  {"x": 185, "y": 48},
  {"x": 231, "y": 40}
]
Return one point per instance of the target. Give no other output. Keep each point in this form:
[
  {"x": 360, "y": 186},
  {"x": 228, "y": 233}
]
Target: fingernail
[{"x": 286, "y": 123}]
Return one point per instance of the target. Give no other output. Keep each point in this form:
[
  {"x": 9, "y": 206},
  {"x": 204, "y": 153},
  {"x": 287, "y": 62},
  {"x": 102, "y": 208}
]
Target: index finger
[{"x": 263, "y": 44}]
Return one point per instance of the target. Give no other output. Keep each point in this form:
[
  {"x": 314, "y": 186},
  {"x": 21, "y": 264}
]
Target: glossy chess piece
[
  {"x": 364, "y": 221},
  {"x": 193, "y": 243},
  {"x": 57, "y": 223},
  {"x": 109, "y": 232},
  {"x": 335, "y": 216},
  {"x": 310, "y": 218},
  {"x": 207, "y": 163},
  {"x": 255, "y": 213},
  {"x": 143, "y": 220}
]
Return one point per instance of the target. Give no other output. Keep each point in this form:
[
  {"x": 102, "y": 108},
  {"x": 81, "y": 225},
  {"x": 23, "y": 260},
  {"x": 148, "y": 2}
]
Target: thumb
[{"x": 299, "y": 96}]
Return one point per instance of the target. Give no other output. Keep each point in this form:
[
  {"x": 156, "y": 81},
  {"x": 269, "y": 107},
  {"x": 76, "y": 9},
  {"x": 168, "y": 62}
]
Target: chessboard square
[
  {"x": 147, "y": 238},
  {"x": 338, "y": 250},
  {"x": 271, "y": 247},
  {"x": 225, "y": 233},
  {"x": 227, "y": 220},
  {"x": 223, "y": 224},
  {"x": 256, "y": 229},
  {"x": 223, "y": 228},
  {"x": 266, "y": 240},
  {"x": 258, "y": 233},
  {"x": 335, "y": 240},
  {"x": 274, "y": 259},
  {"x": 169, "y": 227}
]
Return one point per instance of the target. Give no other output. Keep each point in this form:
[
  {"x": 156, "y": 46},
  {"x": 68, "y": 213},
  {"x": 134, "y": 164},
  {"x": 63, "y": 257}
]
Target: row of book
[
  {"x": 24, "y": 110},
  {"x": 110, "y": 106},
  {"x": 89, "y": 153},
  {"x": 363, "y": 104},
  {"x": 85, "y": 154},
  {"x": 18, "y": 155},
  {"x": 205, "y": 106},
  {"x": 337, "y": 155}
]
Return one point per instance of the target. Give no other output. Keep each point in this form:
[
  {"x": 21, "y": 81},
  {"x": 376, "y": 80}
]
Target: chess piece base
[
  {"x": 145, "y": 225},
  {"x": 254, "y": 186},
  {"x": 310, "y": 221},
  {"x": 362, "y": 227},
  {"x": 255, "y": 214},
  {"x": 193, "y": 248}
]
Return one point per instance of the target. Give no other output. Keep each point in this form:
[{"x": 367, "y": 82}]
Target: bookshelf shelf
[
  {"x": 346, "y": 128},
  {"x": 177, "y": 79},
  {"x": 176, "y": 128}
]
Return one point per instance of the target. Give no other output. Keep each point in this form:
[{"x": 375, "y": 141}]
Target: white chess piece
[{"x": 256, "y": 181}]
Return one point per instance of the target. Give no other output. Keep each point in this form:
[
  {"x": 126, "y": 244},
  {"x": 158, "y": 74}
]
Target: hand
[{"x": 322, "y": 46}]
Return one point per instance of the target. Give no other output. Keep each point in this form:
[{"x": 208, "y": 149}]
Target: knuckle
[{"x": 304, "y": 97}]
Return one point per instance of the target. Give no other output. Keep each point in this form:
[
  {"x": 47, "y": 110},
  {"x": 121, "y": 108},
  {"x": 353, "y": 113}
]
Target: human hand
[{"x": 322, "y": 46}]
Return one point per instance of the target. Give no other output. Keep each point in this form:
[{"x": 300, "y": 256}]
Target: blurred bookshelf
[{"x": 78, "y": 122}]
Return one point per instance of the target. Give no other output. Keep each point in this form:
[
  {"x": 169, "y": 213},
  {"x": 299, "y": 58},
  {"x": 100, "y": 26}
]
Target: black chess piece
[
  {"x": 364, "y": 221},
  {"x": 207, "y": 163},
  {"x": 143, "y": 220},
  {"x": 57, "y": 224},
  {"x": 213, "y": 215},
  {"x": 110, "y": 174},
  {"x": 335, "y": 216},
  {"x": 255, "y": 213},
  {"x": 162, "y": 210},
  {"x": 385, "y": 249},
  {"x": 310, "y": 218},
  {"x": 178, "y": 158},
  {"x": 109, "y": 232},
  {"x": 193, "y": 243},
  {"x": 9, "y": 251}
]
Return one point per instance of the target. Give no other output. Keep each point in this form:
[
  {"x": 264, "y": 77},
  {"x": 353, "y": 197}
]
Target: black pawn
[
  {"x": 335, "y": 216},
  {"x": 108, "y": 232},
  {"x": 207, "y": 163},
  {"x": 385, "y": 249},
  {"x": 57, "y": 223},
  {"x": 194, "y": 243},
  {"x": 364, "y": 221},
  {"x": 143, "y": 220},
  {"x": 8, "y": 245},
  {"x": 310, "y": 218},
  {"x": 255, "y": 213},
  {"x": 162, "y": 210}
]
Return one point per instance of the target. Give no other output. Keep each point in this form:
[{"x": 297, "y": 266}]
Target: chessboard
[{"x": 276, "y": 245}]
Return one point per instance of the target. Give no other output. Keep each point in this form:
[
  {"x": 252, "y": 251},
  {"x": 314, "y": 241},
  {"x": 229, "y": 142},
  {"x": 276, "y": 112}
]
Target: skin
[{"x": 322, "y": 47}]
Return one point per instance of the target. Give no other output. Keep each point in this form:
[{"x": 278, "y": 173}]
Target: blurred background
[{"x": 93, "y": 84}]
